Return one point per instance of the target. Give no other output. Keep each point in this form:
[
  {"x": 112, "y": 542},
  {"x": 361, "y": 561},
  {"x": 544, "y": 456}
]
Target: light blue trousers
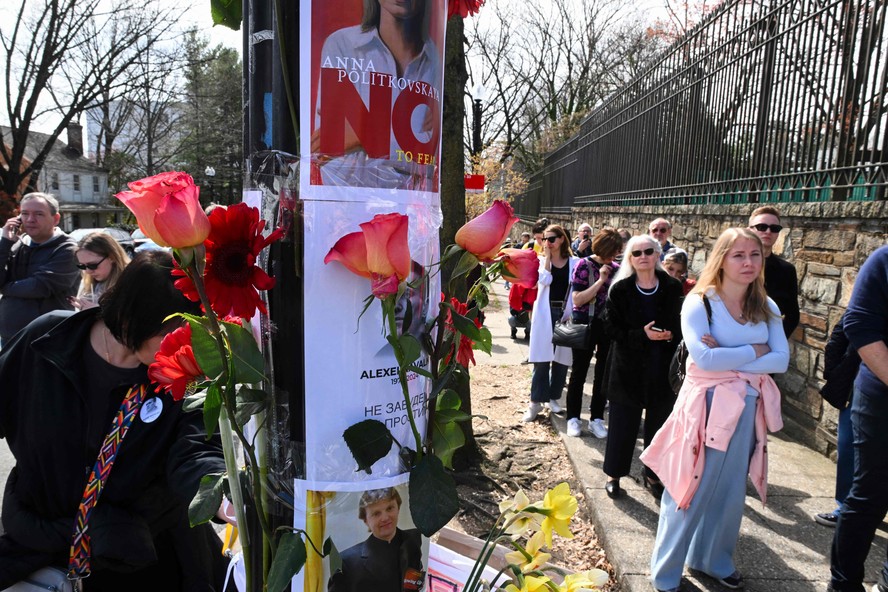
[{"x": 704, "y": 535}]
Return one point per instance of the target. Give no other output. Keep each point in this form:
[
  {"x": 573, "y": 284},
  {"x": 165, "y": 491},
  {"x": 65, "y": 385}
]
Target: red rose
[
  {"x": 168, "y": 209},
  {"x": 484, "y": 236},
  {"x": 522, "y": 266}
]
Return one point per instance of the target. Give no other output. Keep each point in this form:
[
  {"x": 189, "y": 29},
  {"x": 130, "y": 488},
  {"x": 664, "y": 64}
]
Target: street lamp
[
  {"x": 477, "y": 109},
  {"x": 210, "y": 174}
]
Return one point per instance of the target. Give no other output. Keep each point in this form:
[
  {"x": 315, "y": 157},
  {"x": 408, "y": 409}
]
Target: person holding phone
[
  {"x": 642, "y": 318},
  {"x": 100, "y": 260},
  {"x": 582, "y": 245},
  {"x": 38, "y": 270}
]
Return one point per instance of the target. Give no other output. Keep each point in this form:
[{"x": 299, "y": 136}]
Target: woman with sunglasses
[
  {"x": 728, "y": 401},
  {"x": 100, "y": 260},
  {"x": 642, "y": 318},
  {"x": 550, "y": 363}
]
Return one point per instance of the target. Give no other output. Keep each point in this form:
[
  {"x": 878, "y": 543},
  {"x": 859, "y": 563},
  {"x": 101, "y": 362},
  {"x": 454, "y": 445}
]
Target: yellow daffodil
[
  {"x": 519, "y": 521},
  {"x": 531, "y": 584},
  {"x": 585, "y": 581},
  {"x": 530, "y": 558},
  {"x": 559, "y": 506}
]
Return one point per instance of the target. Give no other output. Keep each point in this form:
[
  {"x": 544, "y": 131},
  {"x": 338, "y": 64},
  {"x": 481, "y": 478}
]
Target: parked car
[
  {"x": 143, "y": 243},
  {"x": 121, "y": 236}
]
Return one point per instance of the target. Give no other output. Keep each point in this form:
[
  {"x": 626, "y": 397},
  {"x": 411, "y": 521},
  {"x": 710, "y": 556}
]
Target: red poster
[{"x": 376, "y": 91}]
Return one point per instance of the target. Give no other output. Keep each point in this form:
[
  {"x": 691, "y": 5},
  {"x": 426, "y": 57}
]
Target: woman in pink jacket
[{"x": 716, "y": 433}]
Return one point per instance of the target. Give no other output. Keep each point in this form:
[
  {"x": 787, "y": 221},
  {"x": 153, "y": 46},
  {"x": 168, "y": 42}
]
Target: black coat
[
  {"x": 631, "y": 380},
  {"x": 43, "y": 416},
  {"x": 378, "y": 565},
  {"x": 840, "y": 365},
  {"x": 782, "y": 286}
]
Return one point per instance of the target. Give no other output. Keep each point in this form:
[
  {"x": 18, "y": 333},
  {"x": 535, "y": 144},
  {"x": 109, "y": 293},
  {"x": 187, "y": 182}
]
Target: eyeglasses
[
  {"x": 657, "y": 230},
  {"x": 551, "y": 239},
  {"x": 775, "y": 228},
  {"x": 648, "y": 252},
  {"x": 90, "y": 266}
]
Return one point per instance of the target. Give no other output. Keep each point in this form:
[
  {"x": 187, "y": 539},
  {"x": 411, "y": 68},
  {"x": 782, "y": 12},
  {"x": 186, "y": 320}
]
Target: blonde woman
[
  {"x": 101, "y": 261},
  {"x": 716, "y": 434}
]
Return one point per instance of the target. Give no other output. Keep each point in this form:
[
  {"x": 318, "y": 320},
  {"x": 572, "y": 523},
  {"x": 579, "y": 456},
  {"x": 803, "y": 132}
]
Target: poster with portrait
[
  {"x": 374, "y": 106},
  {"x": 379, "y": 547},
  {"x": 350, "y": 370}
]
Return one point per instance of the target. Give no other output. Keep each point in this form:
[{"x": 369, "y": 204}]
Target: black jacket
[
  {"x": 43, "y": 416},
  {"x": 35, "y": 280},
  {"x": 840, "y": 365},
  {"x": 631, "y": 379},
  {"x": 378, "y": 565},
  {"x": 782, "y": 286}
]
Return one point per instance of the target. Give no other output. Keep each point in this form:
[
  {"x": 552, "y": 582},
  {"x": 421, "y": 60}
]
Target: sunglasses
[
  {"x": 649, "y": 251},
  {"x": 664, "y": 229},
  {"x": 551, "y": 239},
  {"x": 90, "y": 266},
  {"x": 775, "y": 228}
]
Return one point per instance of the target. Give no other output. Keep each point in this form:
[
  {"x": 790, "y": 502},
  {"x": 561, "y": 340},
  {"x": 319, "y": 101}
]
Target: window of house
[
  {"x": 54, "y": 181},
  {"x": 76, "y": 182},
  {"x": 95, "y": 184}
]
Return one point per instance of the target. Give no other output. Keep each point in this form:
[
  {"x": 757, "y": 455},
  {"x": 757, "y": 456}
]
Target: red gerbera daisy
[
  {"x": 232, "y": 278},
  {"x": 464, "y": 351},
  {"x": 463, "y": 8},
  {"x": 175, "y": 367}
]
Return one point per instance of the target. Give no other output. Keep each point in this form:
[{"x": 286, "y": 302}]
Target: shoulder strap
[
  {"x": 78, "y": 561},
  {"x": 708, "y": 308}
]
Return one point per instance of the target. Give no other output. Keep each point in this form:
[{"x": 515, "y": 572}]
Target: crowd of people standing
[{"x": 701, "y": 441}]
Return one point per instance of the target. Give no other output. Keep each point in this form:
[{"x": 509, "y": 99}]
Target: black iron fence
[{"x": 764, "y": 101}]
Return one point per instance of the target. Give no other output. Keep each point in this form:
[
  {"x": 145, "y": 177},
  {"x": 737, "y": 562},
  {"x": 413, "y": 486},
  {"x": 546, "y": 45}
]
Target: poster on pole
[
  {"x": 351, "y": 373},
  {"x": 379, "y": 547},
  {"x": 374, "y": 105}
]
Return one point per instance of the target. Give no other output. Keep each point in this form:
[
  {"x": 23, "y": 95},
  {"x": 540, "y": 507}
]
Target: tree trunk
[{"x": 453, "y": 193}]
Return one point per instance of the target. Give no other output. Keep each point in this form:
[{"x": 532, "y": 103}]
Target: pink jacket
[{"x": 676, "y": 452}]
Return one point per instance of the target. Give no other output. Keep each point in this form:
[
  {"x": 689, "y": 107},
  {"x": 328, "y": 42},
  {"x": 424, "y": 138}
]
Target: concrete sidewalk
[{"x": 781, "y": 548}]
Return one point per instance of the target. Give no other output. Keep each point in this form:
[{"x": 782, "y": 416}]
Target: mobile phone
[{"x": 658, "y": 329}]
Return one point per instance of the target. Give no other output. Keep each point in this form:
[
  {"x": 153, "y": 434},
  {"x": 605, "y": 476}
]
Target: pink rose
[
  {"x": 484, "y": 235},
  {"x": 168, "y": 209},
  {"x": 521, "y": 266},
  {"x": 378, "y": 252}
]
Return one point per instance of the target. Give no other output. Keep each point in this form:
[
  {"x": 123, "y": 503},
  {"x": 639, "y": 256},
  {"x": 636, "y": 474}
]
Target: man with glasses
[
  {"x": 661, "y": 229},
  {"x": 781, "y": 280},
  {"x": 38, "y": 269}
]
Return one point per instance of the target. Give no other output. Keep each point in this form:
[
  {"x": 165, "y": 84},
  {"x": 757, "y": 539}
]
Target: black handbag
[
  {"x": 679, "y": 363},
  {"x": 572, "y": 335}
]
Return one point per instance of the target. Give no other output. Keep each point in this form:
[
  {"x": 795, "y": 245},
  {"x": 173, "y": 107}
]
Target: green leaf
[
  {"x": 448, "y": 399},
  {"x": 484, "y": 341},
  {"x": 206, "y": 502},
  {"x": 212, "y": 408},
  {"x": 466, "y": 326},
  {"x": 332, "y": 552},
  {"x": 194, "y": 402},
  {"x": 467, "y": 263},
  {"x": 410, "y": 346},
  {"x": 249, "y": 365},
  {"x": 447, "y": 437},
  {"x": 368, "y": 441},
  {"x": 227, "y": 13},
  {"x": 206, "y": 350},
  {"x": 433, "y": 495},
  {"x": 249, "y": 402},
  {"x": 288, "y": 560}
]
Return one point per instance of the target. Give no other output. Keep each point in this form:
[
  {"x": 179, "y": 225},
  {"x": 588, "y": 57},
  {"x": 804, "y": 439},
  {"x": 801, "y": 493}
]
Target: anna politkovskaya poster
[{"x": 376, "y": 87}]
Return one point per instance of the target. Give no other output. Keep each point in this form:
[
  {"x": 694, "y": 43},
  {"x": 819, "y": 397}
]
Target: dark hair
[
  {"x": 607, "y": 243},
  {"x": 372, "y": 496},
  {"x": 540, "y": 225},
  {"x": 135, "y": 307},
  {"x": 565, "y": 241}
]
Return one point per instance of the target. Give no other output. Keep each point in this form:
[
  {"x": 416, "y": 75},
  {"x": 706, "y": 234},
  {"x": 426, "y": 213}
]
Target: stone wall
[{"x": 827, "y": 242}]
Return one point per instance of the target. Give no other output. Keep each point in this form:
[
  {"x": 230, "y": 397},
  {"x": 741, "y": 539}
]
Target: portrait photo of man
[{"x": 389, "y": 559}]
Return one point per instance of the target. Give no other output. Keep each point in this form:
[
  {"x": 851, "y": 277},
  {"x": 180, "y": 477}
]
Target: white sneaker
[
  {"x": 532, "y": 411},
  {"x": 596, "y": 426},
  {"x": 554, "y": 407},
  {"x": 574, "y": 427}
]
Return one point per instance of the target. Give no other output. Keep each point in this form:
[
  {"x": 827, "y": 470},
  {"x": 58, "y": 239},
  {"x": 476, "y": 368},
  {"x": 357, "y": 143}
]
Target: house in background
[{"x": 80, "y": 186}]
